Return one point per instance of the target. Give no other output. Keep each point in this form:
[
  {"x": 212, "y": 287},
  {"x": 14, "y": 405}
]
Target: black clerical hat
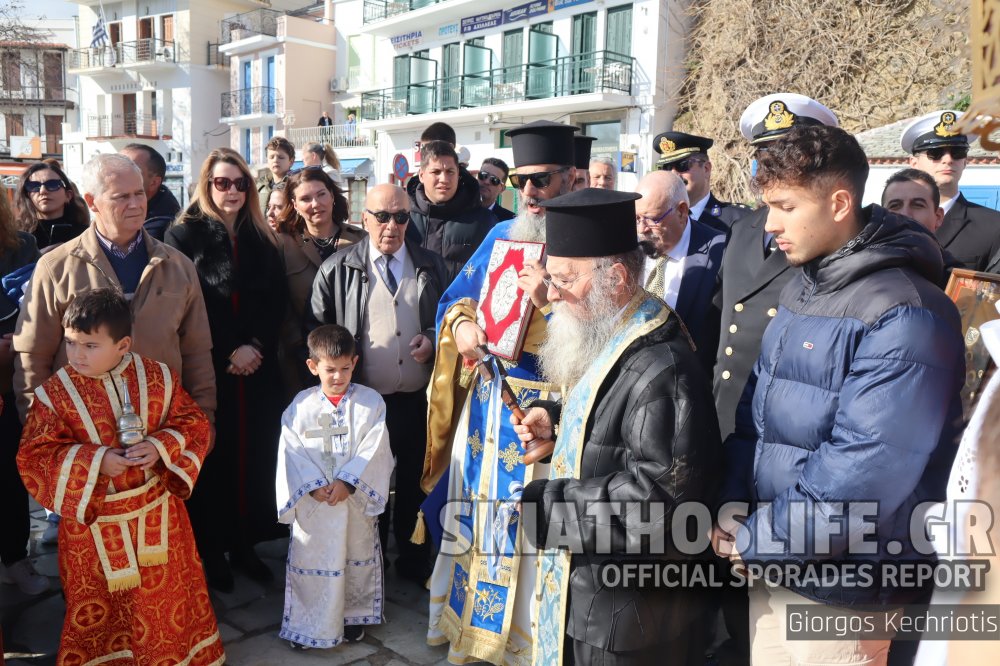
[
  {"x": 590, "y": 223},
  {"x": 675, "y": 146},
  {"x": 543, "y": 142},
  {"x": 582, "y": 145}
]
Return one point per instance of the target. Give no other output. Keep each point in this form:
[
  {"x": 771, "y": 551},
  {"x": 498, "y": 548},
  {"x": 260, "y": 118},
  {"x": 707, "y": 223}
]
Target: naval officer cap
[
  {"x": 582, "y": 145},
  {"x": 774, "y": 115},
  {"x": 543, "y": 142},
  {"x": 676, "y": 146},
  {"x": 934, "y": 130},
  {"x": 590, "y": 223}
]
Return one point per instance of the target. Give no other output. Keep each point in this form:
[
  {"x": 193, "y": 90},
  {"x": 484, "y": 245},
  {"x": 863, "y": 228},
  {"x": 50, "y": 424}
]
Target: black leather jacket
[
  {"x": 340, "y": 290},
  {"x": 651, "y": 437}
]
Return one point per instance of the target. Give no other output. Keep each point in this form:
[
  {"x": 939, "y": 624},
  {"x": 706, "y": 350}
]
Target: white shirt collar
[
  {"x": 680, "y": 250},
  {"x": 699, "y": 208},
  {"x": 399, "y": 255},
  {"x": 946, "y": 206}
]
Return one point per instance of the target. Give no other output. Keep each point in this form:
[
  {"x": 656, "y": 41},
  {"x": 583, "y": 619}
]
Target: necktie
[
  {"x": 654, "y": 283},
  {"x": 387, "y": 276}
]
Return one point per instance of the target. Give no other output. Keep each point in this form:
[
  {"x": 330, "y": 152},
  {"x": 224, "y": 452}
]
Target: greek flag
[{"x": 99, "y": 35}]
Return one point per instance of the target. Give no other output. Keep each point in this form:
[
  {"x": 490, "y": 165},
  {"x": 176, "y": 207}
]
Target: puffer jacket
[
  {"x": 651, "y": 437},
  {"x": 855, "y": 397},
  {"x": 453, "y": 229},
  {"x": 340, "y": 290}
]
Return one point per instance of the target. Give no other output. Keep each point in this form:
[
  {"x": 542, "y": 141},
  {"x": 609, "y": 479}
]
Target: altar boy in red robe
[{"x": 135, "y": 592}]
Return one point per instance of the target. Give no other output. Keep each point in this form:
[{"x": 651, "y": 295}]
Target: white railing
[{"x": 337, "y": 136}]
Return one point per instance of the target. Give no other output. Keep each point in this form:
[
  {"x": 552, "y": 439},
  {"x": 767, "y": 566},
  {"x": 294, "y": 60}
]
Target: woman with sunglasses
[
  {"x": 17, "y": 249},
  {"x": 240, "y": 271},
  {"x": 312, "y": 226},
  {"x": 48, "y": 208}
]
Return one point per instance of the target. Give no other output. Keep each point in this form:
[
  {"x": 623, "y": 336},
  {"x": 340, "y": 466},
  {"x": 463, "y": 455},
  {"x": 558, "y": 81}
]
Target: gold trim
[
  {"x": 168, "y": 391},
  {"x": 125, "y": 494},
  {"x": 121, "y": 654},
  {"x": 88, "y": 489},
  {"x": 64, "y": 472},
  {"x": 122, "y": 579},
  {"x": 135, "y": 513},
  {"x": 44, "y": 398},
  {"x": 194, "y": 457},
  {"x": 201, "y": 645},
  {"x": 81, "y": 408},
  {"x": 165, "y": 457}
]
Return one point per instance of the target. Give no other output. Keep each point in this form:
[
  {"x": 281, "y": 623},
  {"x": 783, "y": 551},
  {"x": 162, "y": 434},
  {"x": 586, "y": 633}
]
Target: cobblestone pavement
[{"x": 249, "y": 620}]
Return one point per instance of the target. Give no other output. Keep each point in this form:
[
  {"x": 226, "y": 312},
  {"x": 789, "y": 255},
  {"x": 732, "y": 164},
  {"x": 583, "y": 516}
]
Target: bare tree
[{"x": 13, "y": 28}]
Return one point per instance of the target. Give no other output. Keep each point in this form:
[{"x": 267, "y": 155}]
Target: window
[
  {"x": 512, "y": 55},
  {"x": 451, "y": 86},
  {"x": 14, "y": 123},
  {"x": 115, "y": 32},
  {"x": 608, "y": 135},
  {"x": 167, "y": 28},
  {"x": 619, "y": 33},
  {"x": 11, "y": 75},
  {"x": 246, "y": 145},
  {"x": 53, "y": 134}
]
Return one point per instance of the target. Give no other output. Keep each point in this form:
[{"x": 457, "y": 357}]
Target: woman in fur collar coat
[{"x": 241, "y": 275}]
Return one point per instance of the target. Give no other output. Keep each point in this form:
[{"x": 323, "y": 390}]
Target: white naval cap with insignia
[
  {"x": 774, "y": 115},
  {"x": 934, "y": 130}
]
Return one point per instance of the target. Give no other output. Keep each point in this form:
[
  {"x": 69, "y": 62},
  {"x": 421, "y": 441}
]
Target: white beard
[
  {"x": 528, "y": 227},
  {"x": 572, "y": 343}
]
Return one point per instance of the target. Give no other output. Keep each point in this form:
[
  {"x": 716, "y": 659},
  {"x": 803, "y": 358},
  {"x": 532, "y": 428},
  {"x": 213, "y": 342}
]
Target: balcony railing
[
  {"x": 122, "y": 125},
  {"x": 251, "y": 101},
  {"x": 141, "y": 51},
  {"x": 379, "y": 10},
  {"x": 337, "y": 136},
  {"x": 595, "y": 72},
  {"x": 215, "y": 57},
  {"x": 249, "y": 24},
  {"x": 39, "y": 96}
]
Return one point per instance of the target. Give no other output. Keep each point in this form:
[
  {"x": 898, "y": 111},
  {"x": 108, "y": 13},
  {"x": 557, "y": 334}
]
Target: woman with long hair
[
  {"x": 321, "y": 156},
  {"x": 312, "y": 226},
  {"x": 236, "y": 256},
  {"x": 17, "y": 250},
  {"x": 49, "y": 207}
]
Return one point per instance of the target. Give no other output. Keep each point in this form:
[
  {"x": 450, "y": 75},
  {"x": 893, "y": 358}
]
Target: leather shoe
[{"x": 247, "y": 561}]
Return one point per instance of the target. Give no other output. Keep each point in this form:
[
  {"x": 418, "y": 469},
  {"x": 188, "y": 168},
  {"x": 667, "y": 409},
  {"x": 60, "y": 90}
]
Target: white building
[
  {"x": 160, "y": 81},
  {"x": 611, "y": 67}
]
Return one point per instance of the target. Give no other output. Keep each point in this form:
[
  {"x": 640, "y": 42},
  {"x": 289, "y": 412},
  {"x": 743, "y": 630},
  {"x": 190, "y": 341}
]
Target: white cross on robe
[{"x": 327, "y": 431}]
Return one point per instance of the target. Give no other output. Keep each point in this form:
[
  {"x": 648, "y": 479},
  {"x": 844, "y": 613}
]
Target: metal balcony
[
  {"x": 249, "y": 24},
  {"x": 584, "y": 73},
  {"x": 379, "y": 10},
  {"x": 36, "y": 96},
  {"x": 337, "y": 136},
  {"x": 122, "y": 125},
  {"x": 123, "y": 54},
  {"x": 252, "y": 101}
]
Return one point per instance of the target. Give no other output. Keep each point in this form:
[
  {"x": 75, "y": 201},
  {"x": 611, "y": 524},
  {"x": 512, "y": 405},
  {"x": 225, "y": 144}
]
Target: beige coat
[{"x": 169, "y": 319}]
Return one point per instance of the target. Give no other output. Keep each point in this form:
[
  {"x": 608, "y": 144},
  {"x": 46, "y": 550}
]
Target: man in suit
[
  {"x": 687, "y": 155},
  {"x": 754, "y": 271},
  {"x": 492, "y": 179},
  {"x": 970, "y": 232},
  {"x": 683, "y": 256}
]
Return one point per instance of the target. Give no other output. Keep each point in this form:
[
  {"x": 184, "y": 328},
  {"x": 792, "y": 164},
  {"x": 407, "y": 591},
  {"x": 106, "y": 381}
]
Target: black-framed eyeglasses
[
  {"x": 563, "y": 285},
  {"x": 51, "y": 185},
  {"x": 956, "y": 152},
  {"x": 642, "y": 219},
  {"x": 383, "y": 216},
  {"x": 681, "y": 166},
  {"x": 540, "y": 179},
  {"x": 223, "y": 184},
  {"x": 484, "y": 177}
]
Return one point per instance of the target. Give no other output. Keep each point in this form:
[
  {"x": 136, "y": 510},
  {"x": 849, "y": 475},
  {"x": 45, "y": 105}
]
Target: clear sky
[{"x": 48, "y": 8}]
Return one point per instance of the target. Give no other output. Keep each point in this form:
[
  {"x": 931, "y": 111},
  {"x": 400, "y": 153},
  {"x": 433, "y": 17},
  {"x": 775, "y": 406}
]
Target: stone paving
[{"x": 249, "y": 620}]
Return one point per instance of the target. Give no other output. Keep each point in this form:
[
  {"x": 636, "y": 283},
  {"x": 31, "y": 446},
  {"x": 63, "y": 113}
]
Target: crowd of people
[{"x": 772, "y": 364}]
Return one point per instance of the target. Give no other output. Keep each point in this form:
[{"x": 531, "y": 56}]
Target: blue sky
[{"x": 49, "y": 8}]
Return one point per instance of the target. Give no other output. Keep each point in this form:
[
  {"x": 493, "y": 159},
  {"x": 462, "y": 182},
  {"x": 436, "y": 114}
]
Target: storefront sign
[
  {"x": 526, "y": 11},
  {"x": 482, "y": 22},
  {"x": 449, "y": 30},
  {"x": 407, "y": 39}
]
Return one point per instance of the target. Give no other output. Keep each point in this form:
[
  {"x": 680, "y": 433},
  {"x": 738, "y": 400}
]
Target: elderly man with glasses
[
  {"x": 687, "y": 156},
  {"x": 683, "y": 257},
  {"x": 471, "y": 442},
  {"x": 970, "y": 232},
  {"x": 385, "y": 290}
]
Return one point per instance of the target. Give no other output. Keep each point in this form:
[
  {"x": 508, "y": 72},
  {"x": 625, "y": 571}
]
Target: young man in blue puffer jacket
[{"x": 854, "y": 399}]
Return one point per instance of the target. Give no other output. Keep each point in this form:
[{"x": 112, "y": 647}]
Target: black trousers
[
  {"x": 406, "y": 421},
  {"x": 15, "y": 524},
  {"x": 578, "y": 653}
]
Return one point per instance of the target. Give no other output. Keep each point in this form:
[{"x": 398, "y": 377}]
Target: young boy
[
  {"x": 334, "y": 465},
  {"x": 280, "y": 157},
  {"x": 135, "y": 592}
]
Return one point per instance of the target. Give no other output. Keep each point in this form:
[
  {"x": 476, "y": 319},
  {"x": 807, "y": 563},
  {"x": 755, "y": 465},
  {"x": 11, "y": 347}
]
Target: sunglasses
[
  {"x": 642, "y": 219},
  {"x": 539, "y": 180},
  {"x": 223, "y": 184},
  {"x": 383, "y": 216},
  {"x": 53, "y": 185},
  {"x": 681, "y": 166},
  {"x": 956, "y": 152},
  {"x": 484, "y": 177}
]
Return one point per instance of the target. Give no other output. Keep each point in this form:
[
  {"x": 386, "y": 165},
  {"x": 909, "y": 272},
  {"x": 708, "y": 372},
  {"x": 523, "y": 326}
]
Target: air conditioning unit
[{"x": 338, "y": 84}]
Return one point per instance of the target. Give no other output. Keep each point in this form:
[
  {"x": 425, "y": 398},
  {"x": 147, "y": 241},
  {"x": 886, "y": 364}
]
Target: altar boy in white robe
[{"x": 334, "y": 465}]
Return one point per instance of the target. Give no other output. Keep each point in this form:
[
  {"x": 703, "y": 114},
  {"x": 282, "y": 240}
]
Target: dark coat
[
  {"x": 651, "y": 437},
  {"x": 720, "y": 215},
  {"x": 855, "y": 397},
  {"x": 454, "y": 229},
  {"x": 160, "y": 213},
  {"x": 971, "y": 233},
  {"x": 502, "y": 214},
  {"x": 694, "y": 300},
  {"x": 340, "y": 289},
  {"x": 747, "y": 299},
  {"x": 257, "y": 283}
]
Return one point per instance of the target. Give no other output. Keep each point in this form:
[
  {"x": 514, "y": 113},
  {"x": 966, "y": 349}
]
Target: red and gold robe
[{"x": 134, "y": 587}]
